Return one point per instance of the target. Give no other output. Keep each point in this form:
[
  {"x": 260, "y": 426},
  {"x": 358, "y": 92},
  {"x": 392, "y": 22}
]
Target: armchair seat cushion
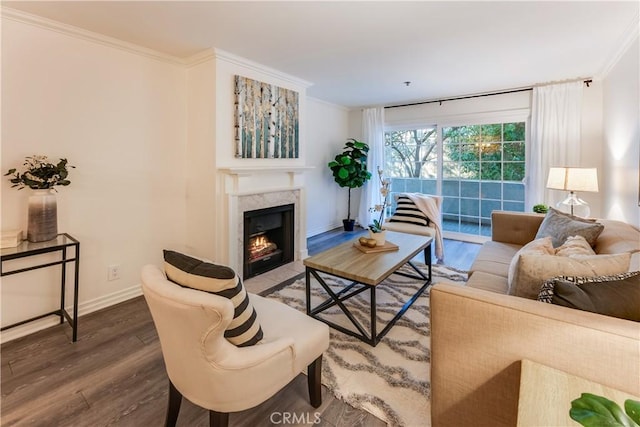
[{"x": 278, "y": 320}]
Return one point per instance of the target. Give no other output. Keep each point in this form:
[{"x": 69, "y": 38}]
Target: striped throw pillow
[
  {"x": 408, "y": 212},
  {"x": 244, "y": 330}
]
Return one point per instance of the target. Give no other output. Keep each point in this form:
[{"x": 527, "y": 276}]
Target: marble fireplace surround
[{"x": 244, "y": 194}]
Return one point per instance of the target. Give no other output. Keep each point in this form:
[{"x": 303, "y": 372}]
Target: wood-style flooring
[{"x": 114, "y": 374}]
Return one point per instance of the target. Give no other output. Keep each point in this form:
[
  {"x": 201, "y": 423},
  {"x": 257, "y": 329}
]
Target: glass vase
[{"x": 43, "y": 216}]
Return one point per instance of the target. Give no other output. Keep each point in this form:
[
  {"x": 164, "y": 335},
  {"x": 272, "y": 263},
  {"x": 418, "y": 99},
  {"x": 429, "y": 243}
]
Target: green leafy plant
[
  {"x": 40, "y": 174},
  {"x": 541, "y": 208},
  {"x": 591, "y": 410},
  {"x": 349, "y": 168}
]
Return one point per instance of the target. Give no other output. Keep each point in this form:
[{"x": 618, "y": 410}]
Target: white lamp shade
[
  {"x": 573, "y": 179},
  {"x": 557, "y": 178}
]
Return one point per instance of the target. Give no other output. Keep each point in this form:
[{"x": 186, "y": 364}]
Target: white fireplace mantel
[
  {"x": 249, "y": 188},
  {"x": 243, "y": 170}
]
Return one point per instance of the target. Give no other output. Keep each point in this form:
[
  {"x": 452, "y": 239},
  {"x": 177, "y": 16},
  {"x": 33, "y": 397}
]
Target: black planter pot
[{"x": 348, "y": 224}]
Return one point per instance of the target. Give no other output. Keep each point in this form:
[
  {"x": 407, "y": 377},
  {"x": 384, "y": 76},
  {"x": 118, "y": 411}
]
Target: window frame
[{"x": 485, "y": 118}]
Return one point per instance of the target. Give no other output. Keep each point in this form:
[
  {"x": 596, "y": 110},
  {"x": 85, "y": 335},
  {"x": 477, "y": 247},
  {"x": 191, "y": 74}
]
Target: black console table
[{"x": 62, "y": 243}]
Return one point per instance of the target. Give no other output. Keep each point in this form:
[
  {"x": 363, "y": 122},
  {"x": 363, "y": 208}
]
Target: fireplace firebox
[{"x": 268, "y": 239}]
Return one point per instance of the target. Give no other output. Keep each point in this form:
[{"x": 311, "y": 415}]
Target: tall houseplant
[{"x": 349, "y": 170}]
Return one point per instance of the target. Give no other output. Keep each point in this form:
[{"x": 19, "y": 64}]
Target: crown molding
[
  {"x": 627, "y": 39},
  {"x": 330, "y": 104},
  {"x": 199, "y": 58},
  {"x": 243, "y": 62},
  {"x": 72, "y": 31}
]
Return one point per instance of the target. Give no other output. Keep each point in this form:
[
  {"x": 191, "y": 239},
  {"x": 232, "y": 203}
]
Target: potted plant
[
  {"x": 541, "y": 208},
  {"x": 349, "y": 170},
  {"x": 41, "y": 176},
  {"x": 592, "y": 410},
  {"x": 376, "y": 230}
]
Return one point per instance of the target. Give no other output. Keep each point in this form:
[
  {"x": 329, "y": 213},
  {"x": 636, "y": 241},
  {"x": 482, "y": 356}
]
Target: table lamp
[{"x": 573, "y": 180}]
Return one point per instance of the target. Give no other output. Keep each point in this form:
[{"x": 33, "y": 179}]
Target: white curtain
[
  {"x": 555, "y": 138},
  {"x": 373, "y": 135}
]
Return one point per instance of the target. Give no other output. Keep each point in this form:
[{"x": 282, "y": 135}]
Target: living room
[{"x": 151, "y": 137}]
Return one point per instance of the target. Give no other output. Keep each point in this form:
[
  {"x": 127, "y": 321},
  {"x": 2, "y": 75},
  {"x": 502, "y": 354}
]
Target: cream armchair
[{"x": 213, "y": 373}]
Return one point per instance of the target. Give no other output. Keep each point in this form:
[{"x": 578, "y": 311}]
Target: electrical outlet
[{"x": 113, "y": 272}]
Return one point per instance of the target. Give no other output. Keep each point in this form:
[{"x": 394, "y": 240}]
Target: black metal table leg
[{"x": 336, "y": 298}]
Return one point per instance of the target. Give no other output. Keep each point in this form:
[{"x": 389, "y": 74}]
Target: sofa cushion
[
  {"x": 542, "y": 246},
  {"x": 189, "y": 272},
  {"x": 494, "y": 258},
  {"x": 408, "y": 212},
  {"x": 575, "y": 245},
  {"x": 488, "y": 282},
  {"x": 532, "y": 269},
  {"x": 617, "y": 237},
  {"x": 559, "y": 226},
  {"x": 616, "y": 295}
]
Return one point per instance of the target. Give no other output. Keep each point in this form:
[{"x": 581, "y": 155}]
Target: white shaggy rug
[{"x": 391, "y": 380}]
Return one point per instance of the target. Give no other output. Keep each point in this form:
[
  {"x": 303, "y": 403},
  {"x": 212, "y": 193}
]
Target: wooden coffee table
[{"x": 366, "y": 271}]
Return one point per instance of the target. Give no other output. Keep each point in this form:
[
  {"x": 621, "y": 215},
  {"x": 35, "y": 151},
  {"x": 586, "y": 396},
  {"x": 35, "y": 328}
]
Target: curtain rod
[{"x": 504, "y": 92}]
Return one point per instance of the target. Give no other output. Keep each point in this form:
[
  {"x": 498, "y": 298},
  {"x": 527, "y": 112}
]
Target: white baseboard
[
  {"x": 85, "y": 307},
  {"x": 314, "y": 231}
]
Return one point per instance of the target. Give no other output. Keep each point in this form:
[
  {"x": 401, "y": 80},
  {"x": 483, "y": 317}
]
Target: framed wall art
[{"x": 266, "y": 120}]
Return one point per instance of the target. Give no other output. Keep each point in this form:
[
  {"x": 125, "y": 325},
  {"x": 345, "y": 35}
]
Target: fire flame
[{"x": 258, "y": 243}]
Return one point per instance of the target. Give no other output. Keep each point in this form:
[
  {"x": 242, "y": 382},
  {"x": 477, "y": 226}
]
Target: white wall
[
  {"x": 591, "y": 150},
  {"x": 621, "y": 151},
  {"x": 120, "y": 118},
  {"x": 201, "y": 208},
  {"x": 327, "y": 132}
]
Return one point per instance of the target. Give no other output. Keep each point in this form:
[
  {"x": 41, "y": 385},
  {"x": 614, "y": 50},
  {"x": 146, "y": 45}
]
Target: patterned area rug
[{"x": 391, "y": 380}]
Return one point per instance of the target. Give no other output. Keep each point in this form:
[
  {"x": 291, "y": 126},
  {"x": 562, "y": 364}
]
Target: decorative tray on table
[{"x": 388, "y": 246}]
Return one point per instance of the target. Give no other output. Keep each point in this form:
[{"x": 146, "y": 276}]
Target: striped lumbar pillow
[
  {"x": 244, "y": 329},
  {"x": 408, "y": 212}
]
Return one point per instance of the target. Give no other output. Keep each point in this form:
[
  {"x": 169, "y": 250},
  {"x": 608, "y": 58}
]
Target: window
[{"x": 476, "y": 168}]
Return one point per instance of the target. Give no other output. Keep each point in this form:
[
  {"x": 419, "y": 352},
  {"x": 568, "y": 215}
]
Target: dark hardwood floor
[{"x": 114, "y": 374}]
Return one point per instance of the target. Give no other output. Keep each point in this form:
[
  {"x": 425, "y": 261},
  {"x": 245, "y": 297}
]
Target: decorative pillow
[
  {"x": 244, "y": 330},
  {"x": 559, "y": 226},
  {"x": 408, "y": 212},
  {"x": 575, "y": 245},
  {"x": 541, "y": 246},
  {"x": 617, "y": 295},
  {"x": 532, "y": 269}
]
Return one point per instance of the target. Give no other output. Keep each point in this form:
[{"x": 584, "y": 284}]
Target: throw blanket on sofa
[{"x": 428, "y": 206}]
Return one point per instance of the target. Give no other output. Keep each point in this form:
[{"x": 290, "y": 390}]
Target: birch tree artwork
[{"x": 266, "y": 120}]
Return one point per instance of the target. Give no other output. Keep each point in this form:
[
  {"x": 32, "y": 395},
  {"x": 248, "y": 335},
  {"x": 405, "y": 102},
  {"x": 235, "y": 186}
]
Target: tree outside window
[{"x": 482, "y": 166}]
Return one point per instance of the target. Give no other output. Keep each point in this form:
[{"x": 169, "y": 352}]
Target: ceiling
[{"x": 360, "y": 53}]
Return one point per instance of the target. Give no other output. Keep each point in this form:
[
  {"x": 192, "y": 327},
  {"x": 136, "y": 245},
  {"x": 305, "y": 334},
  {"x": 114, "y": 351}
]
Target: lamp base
[{"x": 575, "y": 206}]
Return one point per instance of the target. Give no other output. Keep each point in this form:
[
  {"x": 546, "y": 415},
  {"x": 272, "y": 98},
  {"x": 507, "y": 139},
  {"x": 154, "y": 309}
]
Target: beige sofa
[
  {"x": 512, "y": 230},
  {"x": 478, "y": 338}
]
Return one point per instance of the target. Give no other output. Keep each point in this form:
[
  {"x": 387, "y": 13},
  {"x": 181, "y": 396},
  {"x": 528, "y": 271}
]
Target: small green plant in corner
[
  {"x": 591, "y": 410},
  {"x": 541, "y": 208}
]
